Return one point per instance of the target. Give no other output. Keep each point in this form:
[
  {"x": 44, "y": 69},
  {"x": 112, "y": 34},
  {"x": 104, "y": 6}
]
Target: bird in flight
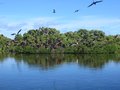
[
  {"x": 95, "y": 2},
  {"x": 13, "y": 34},
  {"x": 17, "y": 32},
  {"x": 54, "y": 11},
  {"x": 76, "y": 11}
]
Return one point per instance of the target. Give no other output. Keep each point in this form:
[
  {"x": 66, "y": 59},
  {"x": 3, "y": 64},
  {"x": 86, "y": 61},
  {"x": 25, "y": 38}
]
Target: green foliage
[
  {"x": 3, "y": 43},
  {"x": 50, "y": 40}
]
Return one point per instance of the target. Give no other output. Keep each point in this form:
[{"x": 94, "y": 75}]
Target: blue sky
[{"x": 32, "y": 14}]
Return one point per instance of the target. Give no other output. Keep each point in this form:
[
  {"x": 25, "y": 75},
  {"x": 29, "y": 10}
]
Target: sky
[{"x": 32, "y": 14}]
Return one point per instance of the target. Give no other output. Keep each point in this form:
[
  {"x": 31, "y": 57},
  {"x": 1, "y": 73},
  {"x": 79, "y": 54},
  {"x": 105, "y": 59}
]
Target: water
[{"x": 59, "y": 72}]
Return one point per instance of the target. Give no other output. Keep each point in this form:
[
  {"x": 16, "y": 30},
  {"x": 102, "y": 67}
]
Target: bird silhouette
[
  {"x": 13, "y": 34},
  {"x": 19, "y": 31},
  {"x": 54, "y": 11},
  {"x": 76, "y": 11},
  {"x": 95, "y": 2}
]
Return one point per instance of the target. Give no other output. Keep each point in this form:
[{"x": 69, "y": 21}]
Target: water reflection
[
  {"x": 51, "y": 61},
  {"x": 3, "y": 57}
]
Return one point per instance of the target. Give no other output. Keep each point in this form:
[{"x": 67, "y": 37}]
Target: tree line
[{"x": 49, "y": 40}]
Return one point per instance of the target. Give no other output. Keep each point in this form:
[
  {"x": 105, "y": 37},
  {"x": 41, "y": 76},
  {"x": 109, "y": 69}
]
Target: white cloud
[
  {"x": 7, "y": 26},
  {"x": 108, "y": 25},
  {"x": 105, "y": 24}
]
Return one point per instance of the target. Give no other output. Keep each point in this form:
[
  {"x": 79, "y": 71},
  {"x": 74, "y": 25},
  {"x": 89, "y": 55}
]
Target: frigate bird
[
  {"x": 19, "y": 31},
  {"x": 95, "y": 2},
  {"x": 13, "y": 34},
  {"x": 54, "y": 11},
  {"x": 76, "y": 11}
]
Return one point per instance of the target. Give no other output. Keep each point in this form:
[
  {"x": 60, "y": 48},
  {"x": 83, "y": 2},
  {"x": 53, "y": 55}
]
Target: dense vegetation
[
  {"x": 3, "y": 43},
  {"x": 50, "y": 40}
]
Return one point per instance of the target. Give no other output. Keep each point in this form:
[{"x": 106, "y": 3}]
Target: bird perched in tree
[
  {"x": 76, "y": 11},
  {"x": 54, "y": 11},
  {"x": 95, "y": 2}
]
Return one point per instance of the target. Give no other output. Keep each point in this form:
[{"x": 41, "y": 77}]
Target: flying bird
[
  {"x": 19, "y": 31},
  {"x": 54, "y": 11},
  {"x": 76, "y": 11},
  {"x": 95, "y": 2},
  {"x": 13, "y": 34}
]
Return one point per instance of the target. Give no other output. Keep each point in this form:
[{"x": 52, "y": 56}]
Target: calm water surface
[{"x": 59, "y": 72}]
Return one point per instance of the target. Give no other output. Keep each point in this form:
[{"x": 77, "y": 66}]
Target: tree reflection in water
[{"x": 47, "y": 61}]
